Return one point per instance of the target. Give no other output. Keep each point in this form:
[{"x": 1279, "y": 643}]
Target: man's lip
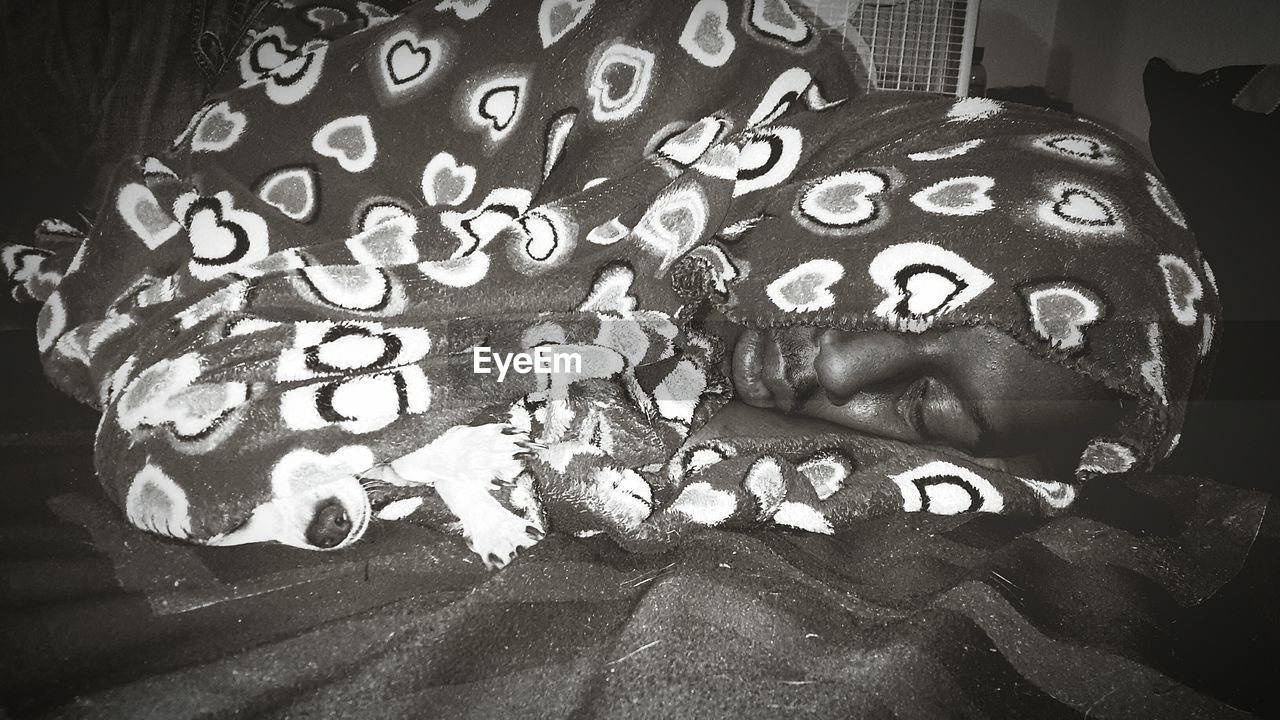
[
  {"x": 775, "y": 373},
  {"x": 748, "y": 369},
  {"x": 759, "y": 370}
]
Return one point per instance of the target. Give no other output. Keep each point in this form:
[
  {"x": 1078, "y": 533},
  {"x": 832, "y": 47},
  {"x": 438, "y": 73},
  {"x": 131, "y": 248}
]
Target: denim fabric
[{"x": 88, "y": 82}]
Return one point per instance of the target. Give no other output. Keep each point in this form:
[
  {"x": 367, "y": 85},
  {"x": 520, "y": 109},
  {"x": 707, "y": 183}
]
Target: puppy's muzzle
[{"x": 327, "y": 517}]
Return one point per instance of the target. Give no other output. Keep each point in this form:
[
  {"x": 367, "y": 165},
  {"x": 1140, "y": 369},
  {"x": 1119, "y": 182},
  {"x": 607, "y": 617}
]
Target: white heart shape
[
  {"x": 618, "y": 63},
  {"x": 386, "y": 238},
  {"x": 806, "y": 287},
  {"x": 768, "y": 157},
  {"x": 141, "y": 211},
  {"x": 776, "y": 19},
  {"x": 922, "y": 281},
  {"x": 962, "y": 196},
  {"x": 407, "y": 63},
  {"x": 496, "y": 104},
  {"x": 218, "y": 129},
  {"x": 349, "y": 140},
  {"x": 1078, "y": 209},
  {"x": 1077, "y": 147},
  {"x": 706, "y": 33},
  {"x": 844, "y": 200},
  {"x": 557, "y": 17},
  {"x": 292, "y": 191},
  {"x": 675, "y": 222},
  {"x": 223, "y": 238},
  {"x": 477, "y": 227},
  {"x": 464, "y": 9},
  {"x": 945, "y": 488},
  {"x": 446, "y": 181},
  {"x": 687, "y": 147},
  {"x": 1060, "y": 312}
]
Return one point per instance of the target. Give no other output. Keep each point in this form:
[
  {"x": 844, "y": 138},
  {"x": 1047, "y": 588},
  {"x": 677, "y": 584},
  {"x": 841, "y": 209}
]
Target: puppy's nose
[{"x": 330, "y": 525}]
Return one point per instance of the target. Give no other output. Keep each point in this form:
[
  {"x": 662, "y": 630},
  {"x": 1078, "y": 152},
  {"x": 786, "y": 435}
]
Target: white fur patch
[
  {"x": 465, "y": 464},
  {"x": 400, "y": 509}
]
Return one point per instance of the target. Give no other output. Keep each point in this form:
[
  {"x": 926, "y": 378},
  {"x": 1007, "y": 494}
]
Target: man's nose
[{"x": 852, "y": 362}]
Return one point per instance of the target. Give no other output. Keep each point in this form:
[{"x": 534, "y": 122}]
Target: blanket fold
[{"x": 285, "y": 314}]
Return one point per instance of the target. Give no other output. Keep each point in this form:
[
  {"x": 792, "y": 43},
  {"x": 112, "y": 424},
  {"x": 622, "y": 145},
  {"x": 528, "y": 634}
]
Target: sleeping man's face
[{"x": 973, "y": 389}]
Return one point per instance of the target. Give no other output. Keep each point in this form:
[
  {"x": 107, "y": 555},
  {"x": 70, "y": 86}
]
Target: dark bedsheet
[{"x": 914, "y": 616}]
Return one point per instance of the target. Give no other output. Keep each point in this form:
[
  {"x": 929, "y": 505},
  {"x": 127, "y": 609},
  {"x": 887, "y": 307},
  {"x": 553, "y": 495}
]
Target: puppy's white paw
[
  {"x": 486, "y": 454},
  {"x": 499, "y": 536}
]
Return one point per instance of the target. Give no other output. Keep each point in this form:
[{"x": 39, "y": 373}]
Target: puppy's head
[{"x": 329, "y": 516}]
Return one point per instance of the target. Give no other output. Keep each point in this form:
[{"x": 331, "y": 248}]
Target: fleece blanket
[{"x": 285, "y": 314}]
